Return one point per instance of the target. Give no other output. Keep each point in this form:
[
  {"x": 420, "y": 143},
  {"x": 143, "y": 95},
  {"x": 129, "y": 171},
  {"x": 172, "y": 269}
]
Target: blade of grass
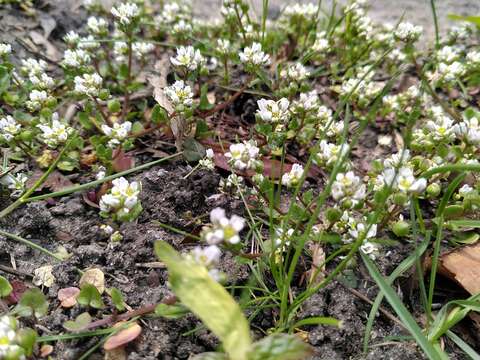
[
  {"x": 467, "y": 349},
  {"x": 402, "y": 311},
  {"x": 399, "y": 270}
]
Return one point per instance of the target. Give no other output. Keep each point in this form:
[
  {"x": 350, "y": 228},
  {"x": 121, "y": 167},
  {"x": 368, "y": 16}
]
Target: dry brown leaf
[
  {"x": 463, "y": 266},
  {"x": 123, "y": 337},
  {"x": 46, "y": 350},
  {"x": 317, "y": 272},
  {"x": 159, "y": 82},
  {"x": 68, "y": 296},
  {"x": 55, "y": 182},
  {"x": 94, "y": 277}
]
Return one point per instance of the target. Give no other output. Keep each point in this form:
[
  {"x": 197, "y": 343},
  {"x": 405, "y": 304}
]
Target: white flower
[
  {"x": 243, "y": 156},
  {"x": 182, "y": 27},
  {"x": 71, "y": 38},
  {"x": 404, "y": 181},
  {"x": 88, "y": 42},
  {"x": 42, "y": 82},
  {"x": 208, "y": 256},
  {"x": 37, "y": 99},
  {"x": 5, "y": 49},
  {"x": 102, "y": 172},
  {"x": 121, "y": 199},
  {"x": 16, "y": 183},
  {"x": 54, "y": 133},
  {"x": 9, "y": 128},
  {"x": 88, "y": 84},
  {"x": 117, "y": 133},
  {"x": 273, "y": 111},
  {"x": 321, "y": 42},
  {"x": 465, "y": 190},
  {"x": 76, "y": 58},
  {"x": 307, "y": 102},
  {"x": 408, "y": 32},
  {"x": 397, "y": 159},
  {"x": 188, "y": 58},
  {"x": 370, "y": 249},
  {"x": 33, "y": 67},
  {"x": 179, "y": 94},
  {"x": 473, "y": 58},
  {"x": 441, "y": 127},
  {"x": 254, "y": 55},
  {"x": 296, "y": 72},
  {"x": 447, "y": 54},
  {"x": 307, "y": 11},
  {"x": 469, "y": 130},
  {"x": 329, "y": 153},
  {"x": 126, "y": 13},
  {"x": 172, "y": 11},
  {"x": 348, "y": 187},
  {"x": 224, "y": 46},
  {"x": 293, "y": 176},
  {"x": 140, "y": 49},
  {"x": 8, "y": 327},
  {"x": 207, "y": 162},
  {"x": 223, "y": 228},
  {"x": 97, "y": 26}
]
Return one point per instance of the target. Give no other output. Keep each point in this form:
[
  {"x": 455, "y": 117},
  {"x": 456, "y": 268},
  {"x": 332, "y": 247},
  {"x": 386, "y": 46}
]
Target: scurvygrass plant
[{"x": 316, "y": 82}]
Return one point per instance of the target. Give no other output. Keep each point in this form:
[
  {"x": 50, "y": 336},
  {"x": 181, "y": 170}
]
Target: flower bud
[
  {"x": 114, "y": 106},
  {"x": 400, "y": 199},
  {"x": 433, "y": 190},
  {"x": 401, "y": 228},
  {"x": 333, "y": 215}
]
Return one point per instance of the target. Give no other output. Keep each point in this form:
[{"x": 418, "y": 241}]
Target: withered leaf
[
  {"x": 68, "y": 296},
  {"x": 123, "y": 337},
  {"x": 94, "y": 277}
]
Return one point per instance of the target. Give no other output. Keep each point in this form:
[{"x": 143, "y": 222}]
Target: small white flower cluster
[
  {"x": 55, "y": 132},
  {"x": 5, "y": 49},
  {"x": 42, "y": 82},
  {"x": 254, "y": 56},
  {"x": 76, "y": 58},
  {"x": 459, "y": 32},
  {"x": 139, "y": 50},
  {"x": 71, "y": 38},
  {"x": 209, "y": 257},
  {"x": 232, "y": 185},
  {"x": 188, "y": 58},
  {"x": 282, "y": 240},
  {"x": 224, "y": 46},
  {"x": 292, "y": 178},
  {"x": 244, "y": 156},
  {"x": 88, "y": 84},
  {"x": 207, "y": 162},
  {"x": 35, "y": 71},
  {"x": 117, "y": 133},
  {"x": 38, "y": 99},
  {"x": 362, "y": 24},
  {"x": 97, "y": 26},
  {"x": 182, "y": 27},
  {"x": 223, "y": 229},
  {"x": 122, "y": 200},
  {"x": 273, "y": 111},
  {"x": 348, "y": 190},
  {"x": 8, "y": 347},
  {"x": 180, "y": 94},
  {"x": 173, "y": 12},
  {"x": 440, "y": 128},
  {"x": 306, "y": 11},
  {"x": 14, "y": 182},
  {"x": 448, "y": 68},
  {"x": 9, "y": 128},
  {"x": 408, "y": 32},
  {"x": 362, "y": 86},
  {"x": 402, "y": 102},
  {"x": 468, "y": 130},
  {"x": 295, "y": 72},
  {"x": 307, "y": 103},
  {"x": 329, "y": 153},
  {"x": 126, "y": 13},
  {"x": 473, "y": 58},
  {"x": 321, "y": 43}
]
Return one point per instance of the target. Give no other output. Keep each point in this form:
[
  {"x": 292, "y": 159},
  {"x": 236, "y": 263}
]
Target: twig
[{"x": 147, "y": 309}]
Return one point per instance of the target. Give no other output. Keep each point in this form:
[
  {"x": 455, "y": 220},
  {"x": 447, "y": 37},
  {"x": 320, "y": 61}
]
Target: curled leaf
[
  {"x": 123, "y": 337},
  {"x": 94, "y": 277},
  {"x": 68, "y": 296}
]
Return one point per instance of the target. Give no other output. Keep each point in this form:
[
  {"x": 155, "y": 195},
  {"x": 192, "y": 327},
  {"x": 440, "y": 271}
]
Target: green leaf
[
  {"x": 318, "y": 320},
  {"x": 90, "y": 296},
  {"x": 5, "y": 287},
  {"x": 193, "y": 150},
  {"x": 201, "y": 131},
  {"x": 80, "y": 323},
  {"x": 280, "y": 347},
  {"x": 26, "y": 338},
  {"x": 204, "y": 103},
  {"x": 85, "y": 121},
  {"x": 4, "y": 79},
  {"x": 137, "y": 127},
  {"x": 171, "y": 311},
  {"x": 159, "y": 115},
  {"x": 401, "y": 310},
  {"x": 207, "y": 299},
  {"x": 32, "y": 302},
  {"x": 471, "y": 19},
  {"x": 117, "y": 299}
]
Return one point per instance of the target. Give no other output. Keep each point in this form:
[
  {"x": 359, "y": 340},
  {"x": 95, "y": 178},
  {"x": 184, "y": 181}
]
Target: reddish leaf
[
  {"x": 123, "y": 337},
  {"x": 68, "y": 296},
  {"x": 18, "y": 289},
  {"x": 122, "y": 161},
  {"x": 46, "y": 350}
]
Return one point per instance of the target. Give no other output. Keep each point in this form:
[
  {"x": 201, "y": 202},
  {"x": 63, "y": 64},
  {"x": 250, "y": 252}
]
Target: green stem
[
  {"x": 30, "y": 244},
  {"x": 91, "y": 184},
  {"x": 435, "y": 22},
  {"x": 24, "y": 198}
]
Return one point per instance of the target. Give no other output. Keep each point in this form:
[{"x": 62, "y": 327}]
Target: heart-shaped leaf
[
  {"x": 68, "y": 296},
  {"x": 80, "y": 323},
  {"x": 90, "y": 296}
]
